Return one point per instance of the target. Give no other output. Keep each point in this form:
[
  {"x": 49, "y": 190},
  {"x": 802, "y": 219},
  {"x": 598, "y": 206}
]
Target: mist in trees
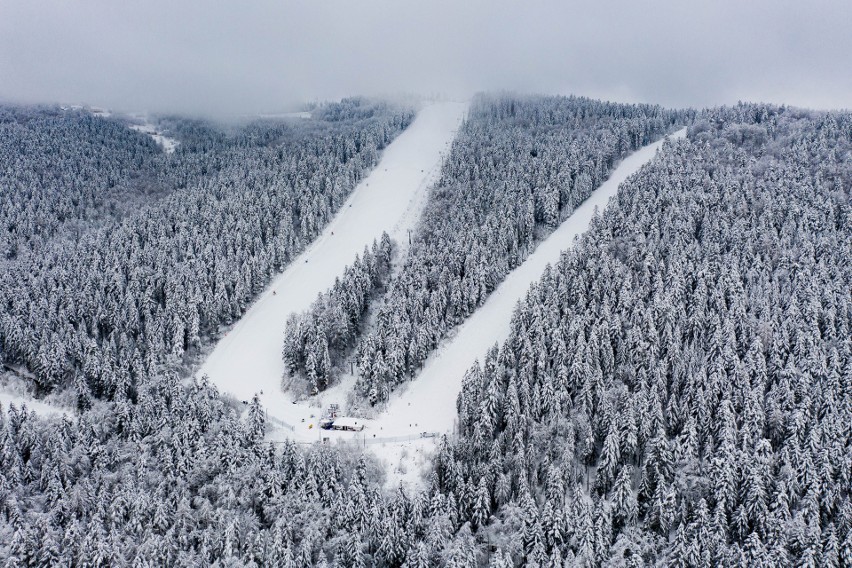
[{"x": 676, "y": 391}]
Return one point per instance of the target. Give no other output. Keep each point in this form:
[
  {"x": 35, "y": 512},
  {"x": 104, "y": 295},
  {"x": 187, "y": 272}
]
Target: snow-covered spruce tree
[
  {"x": 317, "y": 342},
  {"x": 685, "y": 372},
  {"x": 518, "y": 167}
]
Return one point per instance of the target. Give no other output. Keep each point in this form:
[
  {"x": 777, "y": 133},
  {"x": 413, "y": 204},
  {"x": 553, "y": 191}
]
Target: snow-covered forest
[
  {"x": 64, "y": 169},
  {"x": 102, "y": 309},
  {"x": 676, "y": 391},
  {"x": 517, "y": 168}
]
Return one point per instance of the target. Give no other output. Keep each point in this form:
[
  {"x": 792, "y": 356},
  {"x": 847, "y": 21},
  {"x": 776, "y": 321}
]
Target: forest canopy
[{"x": 676, "y": 391}]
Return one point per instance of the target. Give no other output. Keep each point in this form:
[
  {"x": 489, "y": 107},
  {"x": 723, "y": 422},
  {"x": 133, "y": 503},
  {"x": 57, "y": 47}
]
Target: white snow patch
[
  {"x": 406, "y": 463},
  {"x": 40, "y": 408},
  {"x": 14, "y": 391},
  {"x": 167, "y": 144},
  {"x": 429, "y": 402},
  {"x": 247, "y": 360}
]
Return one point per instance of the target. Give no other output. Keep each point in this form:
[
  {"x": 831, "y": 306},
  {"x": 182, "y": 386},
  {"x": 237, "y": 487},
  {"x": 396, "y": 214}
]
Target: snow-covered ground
[
  {"x": 40, "y": 408},
  {"x": 248, "y": 359},
  {"x": 168, "y": 144},
  {"x": 14, "y": 390}
]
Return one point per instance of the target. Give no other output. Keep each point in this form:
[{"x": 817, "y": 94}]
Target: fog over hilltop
[{"x": 232, "y": 58}]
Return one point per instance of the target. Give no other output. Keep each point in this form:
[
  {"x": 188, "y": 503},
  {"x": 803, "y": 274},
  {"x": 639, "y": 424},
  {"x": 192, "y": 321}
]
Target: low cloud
[{"x": 232, "y": 58}]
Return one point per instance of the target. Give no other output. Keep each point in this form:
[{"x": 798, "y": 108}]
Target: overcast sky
[{"x": 217, "y": 56}]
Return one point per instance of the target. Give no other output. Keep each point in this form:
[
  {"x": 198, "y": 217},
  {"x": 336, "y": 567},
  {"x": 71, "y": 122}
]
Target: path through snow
[{"x": 248, "y": 359}]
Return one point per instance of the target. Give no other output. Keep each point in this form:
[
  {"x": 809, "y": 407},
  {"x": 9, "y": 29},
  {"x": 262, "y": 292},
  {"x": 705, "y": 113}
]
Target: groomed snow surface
[{"x": 247, "y": 360}]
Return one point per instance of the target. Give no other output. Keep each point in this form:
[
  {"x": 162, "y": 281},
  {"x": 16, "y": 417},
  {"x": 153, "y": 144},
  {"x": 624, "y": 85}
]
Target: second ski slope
[
  {"x": 428, "y": 404},
  {"x": 248, "y": 359}
]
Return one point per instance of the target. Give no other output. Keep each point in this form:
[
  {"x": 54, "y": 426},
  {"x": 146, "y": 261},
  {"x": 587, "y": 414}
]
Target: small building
[{"x": 347, "y": 423}]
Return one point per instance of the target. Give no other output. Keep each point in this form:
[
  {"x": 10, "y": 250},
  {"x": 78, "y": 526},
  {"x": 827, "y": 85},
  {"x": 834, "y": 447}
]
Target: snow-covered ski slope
[
  {"x": 429, "y": 402},
  {"x": 248, "y": 359}
]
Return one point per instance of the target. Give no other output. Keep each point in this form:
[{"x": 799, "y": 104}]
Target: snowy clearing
[
  {"x": 40, "y": 408},
  {"x": 247, "y": 360},
  {"x": 428, "y": 404},
  {"x": 14, "y": 390},
  {"x": 167, "y": 144}
]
